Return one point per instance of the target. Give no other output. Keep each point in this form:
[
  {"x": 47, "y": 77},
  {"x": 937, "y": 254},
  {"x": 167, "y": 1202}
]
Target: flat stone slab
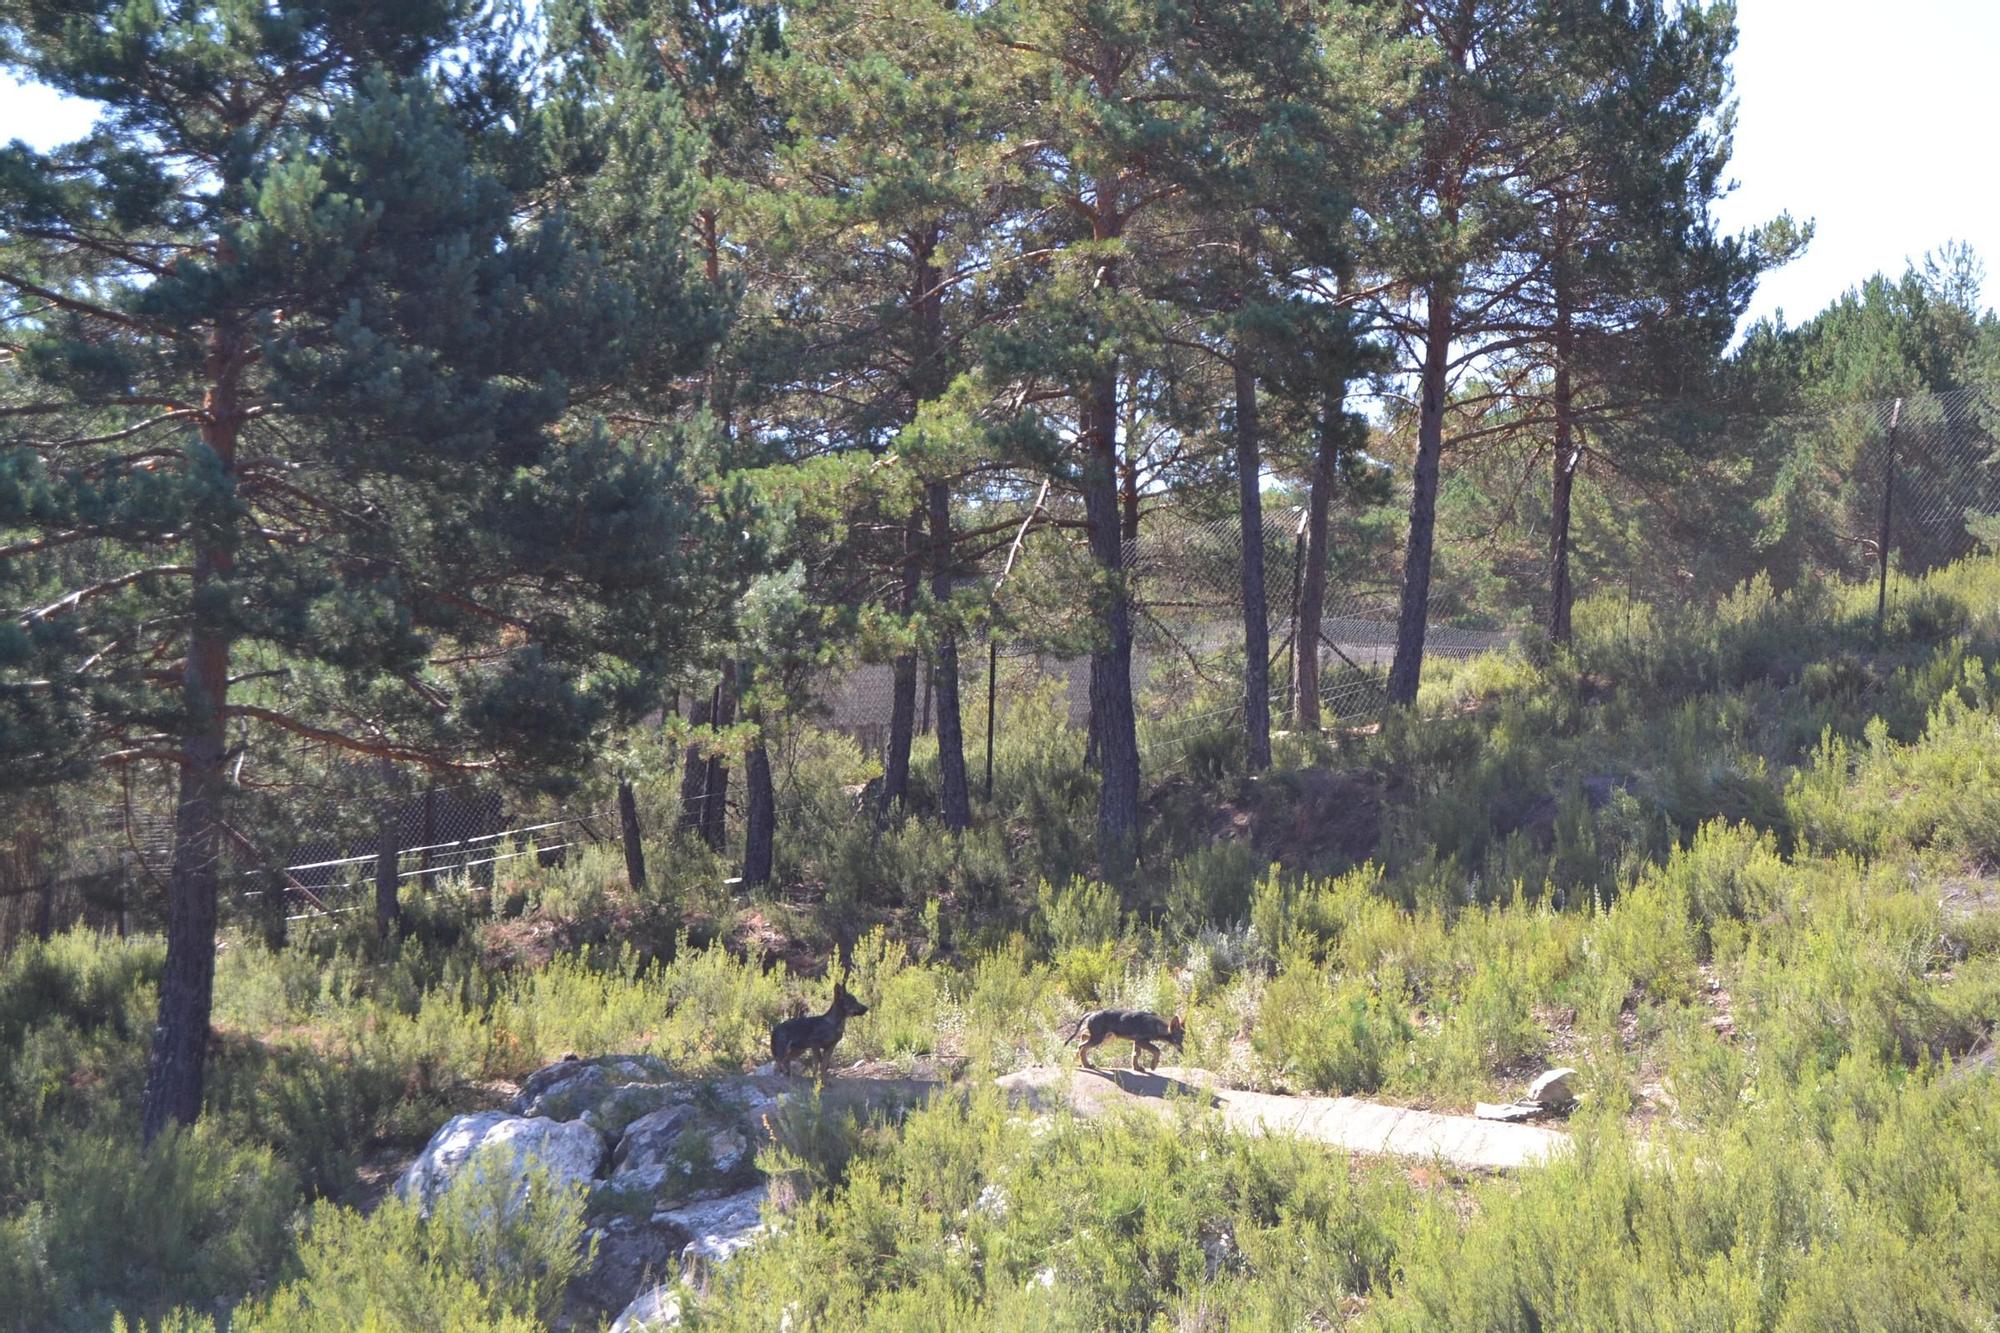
[{"x": 1342, "y": 1122}]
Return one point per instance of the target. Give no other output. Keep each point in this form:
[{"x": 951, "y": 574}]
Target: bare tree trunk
[
  {"x": 694, "y": 768},
  {"x": 388, "y": 907},
  {"x": 1567, "y": 456},
  {"x": 954, "y": 789},
  {"x": 1128, "y": 497},
  {"x": 760, "y": 824},
  {"x": 903, "y": 707},
  {"x": 715, "y": 789},
  {"x": 1111, "y": 707},
  {"x": 1312, "y": 589},
  {"x": 1406, "y": 672},
  {"x": 430, "y": 836},
  {"x": 44, "y": 869},
  {"x": 179, "y": 1054},
  {"x": 1256, "y": 626},
  {"x": 628, "y": 834}
]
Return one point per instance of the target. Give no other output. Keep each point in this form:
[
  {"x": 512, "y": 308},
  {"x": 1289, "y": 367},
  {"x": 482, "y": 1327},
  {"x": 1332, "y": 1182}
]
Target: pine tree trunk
[
  {"x": 1128, "y": 496},
  {"x": 1312, "y": 587},
  {"x": 388, "y": 908},
  {"x": 715, "y": 788},
  {"x": 1111, "y": 707},
  {"x": 628, "y": 834},
  {"x": 1566, "y": 458},
  {"x": 760, "y": 824},
  {"x": 954, "y": 788},
  {"x": 45, "y": 890},
  {"x": 694, "y": 769},
  {"x": 428, "y": 880},
  {"x": 1406, "y": 672},
  {"x": 176, "y": 1063},
  {"x": 1256, "y": 626},
  {"x": 903, "y": 705}
]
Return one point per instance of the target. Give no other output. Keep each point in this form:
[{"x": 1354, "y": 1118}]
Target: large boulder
[
  {"x": 654, "y": 1138},
  {"x": 570, "y": 1153},
  {"x": 659, "y": 1307},
  {"x": 632, "y": 1253},
  {"x": 719, "y": 1228},
  {"x": 568, "y": 1088}
]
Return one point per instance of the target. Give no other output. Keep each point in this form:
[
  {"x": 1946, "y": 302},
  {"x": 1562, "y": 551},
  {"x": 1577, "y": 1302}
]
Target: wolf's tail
[{"x": 1078, "y": 1028}]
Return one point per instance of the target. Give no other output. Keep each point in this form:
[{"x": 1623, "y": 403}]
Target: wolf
[
  {"x": 815, "y": 1033},
  {"x": 1137, "y": 1026}
]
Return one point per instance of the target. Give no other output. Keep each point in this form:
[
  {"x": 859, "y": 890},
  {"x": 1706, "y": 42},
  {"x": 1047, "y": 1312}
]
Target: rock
[
  {"x": 1552, "y": 1089},
  {"x": 657, "y": 1308},
  {"x": 564, "y": 1090},
  {"x": 628, "y": 1102},
  {"x": 720, "y": 1228},
  {"x": 992, "y": 1201},
  {"x": 728, "y": 1152},
  {"x": 632, "y": 1254},
  {"x": 651, "y": 1140},
  {"x": 570, "y": 1152},
  {"x": 564, "y": 1097}
]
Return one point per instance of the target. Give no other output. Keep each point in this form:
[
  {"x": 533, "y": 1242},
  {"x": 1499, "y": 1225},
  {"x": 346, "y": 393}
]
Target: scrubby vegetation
[{"x": 1740, "y": 873}]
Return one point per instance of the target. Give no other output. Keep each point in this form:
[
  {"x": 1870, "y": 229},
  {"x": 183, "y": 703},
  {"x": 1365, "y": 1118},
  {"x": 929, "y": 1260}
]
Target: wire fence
[{"x": 1882, "y": 490}]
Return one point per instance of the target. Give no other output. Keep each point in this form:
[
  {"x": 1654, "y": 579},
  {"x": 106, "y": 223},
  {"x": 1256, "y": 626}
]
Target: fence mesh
[{"x": 1879, "y": 489}]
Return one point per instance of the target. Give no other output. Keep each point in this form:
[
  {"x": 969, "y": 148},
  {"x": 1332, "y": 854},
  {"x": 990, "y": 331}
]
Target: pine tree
[
  {"x": 1128, "y": 112},
  {"x": 1450, "y": 225},
  {"x": 884, "y": 196},
  {"x": 1634, "y": 293},
  {"x": 317, "y": 358}
]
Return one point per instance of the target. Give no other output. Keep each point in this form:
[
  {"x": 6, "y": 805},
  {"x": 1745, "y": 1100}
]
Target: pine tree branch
[
  {"x": 380, "y": 749},
  {"x": 92, "y": 309},
  {"x": 82, "y": 595}
]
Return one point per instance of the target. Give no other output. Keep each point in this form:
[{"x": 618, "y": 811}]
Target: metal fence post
[{"x": 1888, "y": 501}]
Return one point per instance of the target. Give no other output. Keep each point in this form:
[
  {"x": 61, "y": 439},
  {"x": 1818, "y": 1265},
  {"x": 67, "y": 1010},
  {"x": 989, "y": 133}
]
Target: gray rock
[
  {"x": 566, "y": 1089},
  {"x": 629, "y": 1102},
  {"x": 657, "y": 1308},
  {"x": 728, "y": 1152},
  {"x": 632, "y": 1254},
  {"x": 653, "y": 1140},
  {"x": 1552, "y": 1089},
  {"x": 571, "y": 1153},
  {"x": 719, "y": 1228},
  {"x": 573, "y": 1088}
]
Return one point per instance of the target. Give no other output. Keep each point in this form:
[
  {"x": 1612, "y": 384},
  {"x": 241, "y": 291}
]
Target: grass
[{"x": 1703, "y": 861}]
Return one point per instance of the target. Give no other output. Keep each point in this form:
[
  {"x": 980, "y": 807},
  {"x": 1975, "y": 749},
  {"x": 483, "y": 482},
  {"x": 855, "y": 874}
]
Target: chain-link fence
[{"x": 1878, "y": 489}]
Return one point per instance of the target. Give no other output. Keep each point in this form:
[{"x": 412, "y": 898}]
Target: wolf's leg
[{"x": 1083, "y": 1052}]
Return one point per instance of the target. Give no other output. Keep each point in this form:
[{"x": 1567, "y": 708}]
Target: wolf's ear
[{"x": 1177, "y": 1025}]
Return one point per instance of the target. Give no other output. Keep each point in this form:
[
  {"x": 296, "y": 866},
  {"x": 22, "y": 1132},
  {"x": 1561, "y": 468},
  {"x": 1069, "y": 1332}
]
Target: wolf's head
[{"x": 844, "y": 1004}]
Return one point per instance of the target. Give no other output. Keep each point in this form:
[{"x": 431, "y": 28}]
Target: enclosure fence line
[{"x": 1879, "y": 490}]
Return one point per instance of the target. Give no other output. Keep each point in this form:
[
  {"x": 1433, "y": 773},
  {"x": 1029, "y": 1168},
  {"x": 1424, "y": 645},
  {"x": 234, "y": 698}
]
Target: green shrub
[
  {"x": 191, "y": 1220},
  {"x": 1326, "y": 1035},
  {"x": 486, "y": 1258},
  {"x": 1080, "y": 913},
  {"x": 1212, "y": 886}
]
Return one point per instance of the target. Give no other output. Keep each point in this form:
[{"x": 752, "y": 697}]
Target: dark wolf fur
[
  {"x": 1137, "y": 1026},
  {"x": 815, "y": 1033}
]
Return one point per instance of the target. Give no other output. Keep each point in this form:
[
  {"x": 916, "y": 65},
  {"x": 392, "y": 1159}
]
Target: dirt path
[{"x": 1344, "y": 1122}]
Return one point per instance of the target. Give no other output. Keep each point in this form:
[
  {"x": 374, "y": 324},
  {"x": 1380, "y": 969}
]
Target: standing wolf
[
  {"x": 1137, "y": 1026},
  {"x": 815, "y": 1033}
]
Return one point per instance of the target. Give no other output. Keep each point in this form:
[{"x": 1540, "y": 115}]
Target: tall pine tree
[{"x": 316, "y": 358}]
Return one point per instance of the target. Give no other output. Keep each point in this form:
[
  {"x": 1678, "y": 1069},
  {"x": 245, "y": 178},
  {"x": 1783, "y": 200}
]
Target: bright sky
[{"x": 1875, "y": 120}]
